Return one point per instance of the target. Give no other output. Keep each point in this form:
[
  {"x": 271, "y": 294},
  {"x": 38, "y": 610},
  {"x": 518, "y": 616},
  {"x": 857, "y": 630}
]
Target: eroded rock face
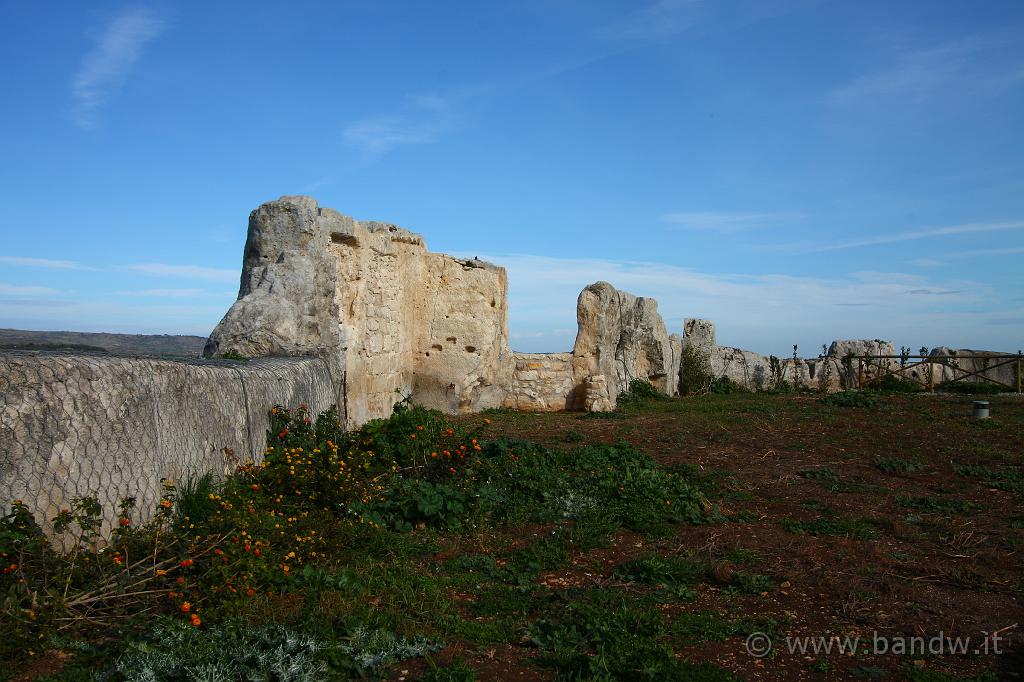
[
  {"x": 391, "y": 318},
  {"x": 622, "y": 337},
  {"x": 286, "y": 303},
  {"x": 394, "y": 320}
]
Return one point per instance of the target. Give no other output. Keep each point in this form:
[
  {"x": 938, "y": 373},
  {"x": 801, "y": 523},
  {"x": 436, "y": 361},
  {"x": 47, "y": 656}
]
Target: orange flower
[
  {"x": 250, "y": 592},
  {"x": 125, "y": 523},
  {"x": 195, "y": 620},
  {"x": 160, "y": 572},
  {"x": 185, "y": 607},
  {"x": 186, "y": 563},
  {"x": 486, "y": 420},
  {"x": 254, "y": 486}
]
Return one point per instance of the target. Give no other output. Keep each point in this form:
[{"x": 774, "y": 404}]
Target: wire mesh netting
[{"x": 73, "y": 425}]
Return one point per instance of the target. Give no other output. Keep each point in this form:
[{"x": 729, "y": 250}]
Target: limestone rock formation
[
  {"x": 622, "y": 337},
  {"x": 390, "y": 318},
  {"x": 595, "y": 394}
]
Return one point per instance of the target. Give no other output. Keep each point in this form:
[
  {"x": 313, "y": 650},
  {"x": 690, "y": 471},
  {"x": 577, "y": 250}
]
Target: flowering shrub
[{"x": 293, "y": 532}]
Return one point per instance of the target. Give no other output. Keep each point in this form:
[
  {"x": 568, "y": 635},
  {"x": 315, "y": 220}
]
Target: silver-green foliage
[{"x": 177, "y": 651}]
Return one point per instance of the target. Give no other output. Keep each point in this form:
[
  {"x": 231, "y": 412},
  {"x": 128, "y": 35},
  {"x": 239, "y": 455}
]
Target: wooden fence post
[{"x": 1018, "y": 371}]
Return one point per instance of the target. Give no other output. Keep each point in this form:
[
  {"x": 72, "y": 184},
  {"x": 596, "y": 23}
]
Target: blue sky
[{"x": 796, "y": 171}]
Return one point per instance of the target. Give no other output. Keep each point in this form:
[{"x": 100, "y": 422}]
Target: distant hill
[{"x": 119, "y": 344}]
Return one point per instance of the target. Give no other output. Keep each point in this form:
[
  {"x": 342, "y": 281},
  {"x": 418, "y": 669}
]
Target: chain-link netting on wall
[{"x": 73, "y": 425}]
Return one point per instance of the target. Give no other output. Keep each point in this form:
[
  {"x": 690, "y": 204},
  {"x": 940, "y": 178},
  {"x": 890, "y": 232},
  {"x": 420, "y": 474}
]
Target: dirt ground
[{"x": 904, "y": 519}]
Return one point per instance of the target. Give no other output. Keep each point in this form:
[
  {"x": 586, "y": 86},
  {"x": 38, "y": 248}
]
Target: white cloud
[
  {"x": 723, "y": 221},
  {"x": 175, "y": 293},
  {"x": 106, "y": 67},
  {"x": 765, "y": 313},
  {"x": 943, "y": 258},
  {"x": 421, "y": 121},
  {"x": 43, "y": 263},
  {"x": 14, "y": 290},
  {"x": 915, "y": 78},
  {"x": 893, "y": 237},
  {"x": 656, "y": 20},
  {"x": 186, "y": 272}
]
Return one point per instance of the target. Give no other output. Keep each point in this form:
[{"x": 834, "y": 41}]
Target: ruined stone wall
[
  {"x": 542, "y": 382},
  {"x": 830, "y": 372},
  {"x": 74, "y": 425},
  {"x": 394, "y": 320},
  {"x": 390, "y": 318}
]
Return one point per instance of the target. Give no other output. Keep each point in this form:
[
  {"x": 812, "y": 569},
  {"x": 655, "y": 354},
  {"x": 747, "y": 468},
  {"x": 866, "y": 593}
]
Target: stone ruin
[
  {"x": 393, "y": 320},
  {"x": 368, "y": 317}
]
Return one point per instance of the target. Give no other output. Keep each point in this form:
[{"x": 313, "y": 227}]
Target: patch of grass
[
  {"x": 456, "y": 671},
  {"x": 740, "y": 555},
  {"x": 673, "y": 576},
  {"x": 1010, "y": 480},
  {"x": 895, "y": 465},
  {"x": 573, "y": 436},
  {"x": 819, "y": 474},
  {"x": 937, "y": 505},
  {"x": 973, "y": 388},
  {"x": 752, "y": 583},
  {"x": 638, "y": 394},
  {"x": 597, "y": 634},
  {"x": 858, "y": 399},
  {"x": 858, "y": 529},
  {"x": 894, "y": 384}
]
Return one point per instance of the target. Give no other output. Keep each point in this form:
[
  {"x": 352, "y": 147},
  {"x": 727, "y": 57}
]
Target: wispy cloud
[
  {"x": 186, "y": 272},
  {"x": 175, "y": 293},
  {"x": 718, "y": 221},
  {"x": 15, "y": 290},
  {"x": 766, "y": 313},
  {"x": 105, "y": 68},
  {"x": 915, "y": 77},
  {"x": 656, "y": 20},
  {"x": 895, "y": 237},
  {"x": 421, "y": 121},
  {"x": 43, "y": 263},
  {"x": 943, "y": 258}
]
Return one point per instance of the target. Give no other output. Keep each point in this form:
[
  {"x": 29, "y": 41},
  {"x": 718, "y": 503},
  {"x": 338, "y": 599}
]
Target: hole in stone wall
[
  {"x": 470, "y": 349},
  {"x": 349, "y": 239},
  {"x": 451, "y": 339},
  {"x": 493, "y": 303},
  {"x": 437, "y": 346}
]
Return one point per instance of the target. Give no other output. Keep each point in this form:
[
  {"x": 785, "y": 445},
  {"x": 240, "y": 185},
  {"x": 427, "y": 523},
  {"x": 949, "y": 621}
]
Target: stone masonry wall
[
  {"x": 393, "y": 320},
  {"x": 542, "y": 382},
  {"x": 73, "y": 425}
]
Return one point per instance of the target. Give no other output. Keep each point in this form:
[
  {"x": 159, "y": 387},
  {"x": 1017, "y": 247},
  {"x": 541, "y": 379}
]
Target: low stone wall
[
  {"x": 73, "y": 425},
  {"x": 541, "y": 382}
]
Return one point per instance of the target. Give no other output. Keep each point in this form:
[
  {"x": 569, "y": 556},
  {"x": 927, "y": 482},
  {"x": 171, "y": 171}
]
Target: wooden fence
[{"x": 872, "y": 369}]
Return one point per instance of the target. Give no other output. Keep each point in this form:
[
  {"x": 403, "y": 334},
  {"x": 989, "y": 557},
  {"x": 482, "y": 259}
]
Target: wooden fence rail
[{"x": 988, "y": 361}]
